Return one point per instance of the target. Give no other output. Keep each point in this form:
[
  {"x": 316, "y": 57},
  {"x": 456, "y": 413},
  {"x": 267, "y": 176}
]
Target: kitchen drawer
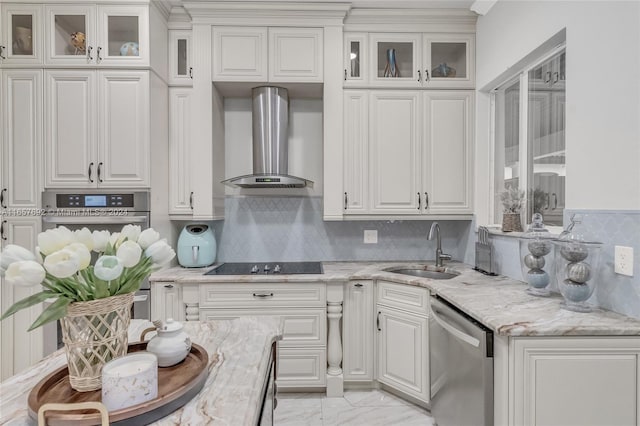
[
  {"x": 249, "y": 295},
  {"x": 306, "y": 327},
  {"x": 406, "y": 297},
  {"x": 301, "y": 367}
]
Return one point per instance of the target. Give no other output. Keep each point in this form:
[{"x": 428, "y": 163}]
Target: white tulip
[
  {"x": 62, "y": 263},
  {"x": 82, "y": 252},
  {"x": 160, "y": 252},
  {"x": 25, "y": 273},
  {"x": 84, "y": 236},
  {"x": 108, "y": 268},
  {"x": 100, "y": 240},
  {"x": 129, "y": 253},
  {"x": 115, "y": 240},
  {"x": 148, "y": 237},
  {"x": 54, "y": 239},
  {"x": 130, "y": 232},
  {"x": 13, "y": 253}
]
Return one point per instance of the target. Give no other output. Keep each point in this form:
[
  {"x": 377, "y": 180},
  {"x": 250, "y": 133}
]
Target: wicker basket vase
[
  {"x": 95, "y": 332},
  {"x": 511, "y": 222}
]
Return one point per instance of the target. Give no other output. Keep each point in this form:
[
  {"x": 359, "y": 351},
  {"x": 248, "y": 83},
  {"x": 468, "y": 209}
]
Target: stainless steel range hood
[{"x": 270, "y": 143}]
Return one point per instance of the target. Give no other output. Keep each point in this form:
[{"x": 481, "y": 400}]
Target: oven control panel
[{"x": 94, "y": 200}]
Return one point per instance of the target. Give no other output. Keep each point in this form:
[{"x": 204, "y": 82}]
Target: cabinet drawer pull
[
  {"x": 191, "y": 73},
  {"x": 426, "y": 75},
  {"x": 546, "y": 200},
  {"x": 168, "y": 286},
  {"x": 419, "y": 75},
  {"x": 358, "y": 285},
  {"x": 89, "y": 57},
  {"x": 547, "y": 77},
  {"x": 4, "y": 237},
  {"x": 2, "y": 204},
  {"x": 555, "y": 201},
  {"x": 191, "y": 200},
  {"x": 555, "y": 77},
  {"x": 426, "y": 200},
  {"x": 1, "y": 52},
  {"x": 100, "y": 171},
  {"x": 419, "y": 201},
  {"x": 346, "y": 201},
  {"x": 91, "y": 172},
  {"x": 263, "y": 295},
  {"x": 378, "y": 321},
  {"x": 345, "y": 74},
  {"x": 98, "y": 58}
]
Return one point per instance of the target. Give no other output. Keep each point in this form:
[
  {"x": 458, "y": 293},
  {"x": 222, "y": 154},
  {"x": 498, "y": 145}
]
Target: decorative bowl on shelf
[{"x": 130, "y": 48}]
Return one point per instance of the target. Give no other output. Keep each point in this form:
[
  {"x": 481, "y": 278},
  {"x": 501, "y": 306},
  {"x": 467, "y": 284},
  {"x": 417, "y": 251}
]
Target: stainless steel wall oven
[{"x": 96, "y": 210}]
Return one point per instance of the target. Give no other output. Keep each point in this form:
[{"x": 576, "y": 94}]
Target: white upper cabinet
[
  {"x": 356, "y": 152},
  {"x": 180, "y": 190},
  {"x": 411, "y": 60},
  {"x": 97, "y": 129},
  {"x": 22, "y": 34},
  {"x": 97, "y": 35},
  {"x": 295, "y": 54},
  {"x": 180, "y": 58},
  {"x": 260, "y": 54}
]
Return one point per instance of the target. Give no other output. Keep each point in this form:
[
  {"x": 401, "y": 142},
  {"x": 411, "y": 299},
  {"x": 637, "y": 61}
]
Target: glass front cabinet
[
  {"x": 180, "y": 67},
  {"x": 97, "y": 35},
  {"x": 412, "y": 60},
  {"x": 21, "y": 40}
]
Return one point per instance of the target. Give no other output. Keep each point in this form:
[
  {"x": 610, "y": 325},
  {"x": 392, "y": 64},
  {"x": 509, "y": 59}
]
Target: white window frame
[{"x": 522, "y": 75}]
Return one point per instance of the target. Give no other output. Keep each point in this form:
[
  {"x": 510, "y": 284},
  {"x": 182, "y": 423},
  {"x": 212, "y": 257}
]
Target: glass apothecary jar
[
  {"x": 536, "y": 257},
  {"x": 577, "y": 261}
]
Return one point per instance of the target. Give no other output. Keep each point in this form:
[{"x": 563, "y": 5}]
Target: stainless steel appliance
[
  {"x": 461, "y": 358},
  {"x": 282, "y": 268},
  {"x": 270, "y": 142},
  {"x": 96, "y": 210}
]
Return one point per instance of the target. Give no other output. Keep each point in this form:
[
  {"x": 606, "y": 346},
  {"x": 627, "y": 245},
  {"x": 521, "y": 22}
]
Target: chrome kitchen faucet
[{"x": 440, "y": 256}]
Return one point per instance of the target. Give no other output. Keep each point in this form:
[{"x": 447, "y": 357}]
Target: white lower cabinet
[
  {"x": 403, "y": 340},
  {"x": 166, "y": 301},
  {"x": 358, "y": 332},
  {"x": 574, "y": 381}
]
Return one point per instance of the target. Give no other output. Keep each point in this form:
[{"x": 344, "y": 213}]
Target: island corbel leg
[
  {"x": 191, "y": 302},
  {"x": 335, "y": 379}
]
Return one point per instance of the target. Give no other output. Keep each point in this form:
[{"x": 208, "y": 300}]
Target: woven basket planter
[
  {"x": 94, "y": 333},
  {"x": 511, "y": 222}
]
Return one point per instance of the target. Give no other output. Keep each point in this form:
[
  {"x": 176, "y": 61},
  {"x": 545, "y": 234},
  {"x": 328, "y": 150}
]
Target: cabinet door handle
[
  {"x": 555, "y": 77},
  {"x": 191, "y": 73},
  {"x": 262, "y": 295},
  {"x": 1, "y": 52},
  {"x": 426, "y": 200},
  {"x": 547, "y": 77},
  {"x": 346, "y": 201},
  {"x": 426, "y": 75},
  {"x": 91, "y": 172},
  {"x": 168, "y": 286},
  {"x": 378, "y": 321},
  {"x": 358, "y": 285},
  {"x": 345, "y": 74},
  {"x": 555, "y": 201},
  {"x": 191, "y": 200},
  {"x": 419, "y": 75},
  {"x": 98, "y": 58},
  {"x": 4, "y": 237},
  {"x": 419, "y": 201},
  {"x": 2, "y": 204},
  {"x": 546, "y": 199},
  {"x": 89, "y": 57},
  {"x": 100, "y": 171}
]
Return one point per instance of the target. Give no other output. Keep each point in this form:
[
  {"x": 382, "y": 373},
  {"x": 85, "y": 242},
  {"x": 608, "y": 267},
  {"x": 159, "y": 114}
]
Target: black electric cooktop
[{"x": 270, "y": 268}]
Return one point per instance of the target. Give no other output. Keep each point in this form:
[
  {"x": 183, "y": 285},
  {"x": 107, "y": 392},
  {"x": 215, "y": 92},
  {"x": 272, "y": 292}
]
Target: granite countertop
[
  {"x": 231, "y": 394},
  {"x": 498, "y": 302}
]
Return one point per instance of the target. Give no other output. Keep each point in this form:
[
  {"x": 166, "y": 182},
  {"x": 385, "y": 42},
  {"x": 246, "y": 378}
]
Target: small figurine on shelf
[
  {"x": 512, "y": 200},
  {"x": 391, "y": 69},
  {"x": 130, "y": 48},
  {"x": 78, "y": 42},
  {"x": 443, "y": 70}
]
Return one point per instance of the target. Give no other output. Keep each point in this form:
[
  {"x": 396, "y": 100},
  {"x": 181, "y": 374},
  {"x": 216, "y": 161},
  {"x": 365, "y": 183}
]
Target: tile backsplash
[{"x": 265, "y": 229}]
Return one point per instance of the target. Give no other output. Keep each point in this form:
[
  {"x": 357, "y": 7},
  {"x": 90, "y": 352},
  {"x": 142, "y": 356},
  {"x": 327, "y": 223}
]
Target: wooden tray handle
[
  {"x": 145, "y": 331},
  {"x": 91, "y": 405}
]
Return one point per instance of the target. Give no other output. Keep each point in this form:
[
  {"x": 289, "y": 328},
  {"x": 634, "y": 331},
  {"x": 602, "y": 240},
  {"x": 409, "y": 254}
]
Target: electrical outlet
[
  {"x": 371, "y": 236},
  {"x": 624, "y": 260}
]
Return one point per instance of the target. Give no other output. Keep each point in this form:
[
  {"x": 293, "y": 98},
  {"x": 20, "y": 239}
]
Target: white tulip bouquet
[{"x": 62, "y": 265}]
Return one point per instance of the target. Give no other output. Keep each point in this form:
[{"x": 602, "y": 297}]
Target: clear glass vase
[{"x": 536, "y": 257}]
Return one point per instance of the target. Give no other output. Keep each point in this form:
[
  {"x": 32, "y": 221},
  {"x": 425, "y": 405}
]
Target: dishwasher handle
[{"x": 460, "y": 335}]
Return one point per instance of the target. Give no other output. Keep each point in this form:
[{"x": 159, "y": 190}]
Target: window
[{"x": 529, "y": 137}]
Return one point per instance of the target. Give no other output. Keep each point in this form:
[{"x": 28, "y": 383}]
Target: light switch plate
[
  {"x": 371, "y": 236},
  {"x": 623, "y": 260}
]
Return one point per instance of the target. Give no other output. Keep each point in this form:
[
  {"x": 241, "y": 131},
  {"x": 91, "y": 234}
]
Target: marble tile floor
[{"x": 356, "y": 408}]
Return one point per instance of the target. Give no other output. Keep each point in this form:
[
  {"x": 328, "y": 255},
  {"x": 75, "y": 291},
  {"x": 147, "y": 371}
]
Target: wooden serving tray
[{"x": 177, "y": 385}]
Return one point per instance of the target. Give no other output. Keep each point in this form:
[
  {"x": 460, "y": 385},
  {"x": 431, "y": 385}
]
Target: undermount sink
[{"x": 426, "y": 272}]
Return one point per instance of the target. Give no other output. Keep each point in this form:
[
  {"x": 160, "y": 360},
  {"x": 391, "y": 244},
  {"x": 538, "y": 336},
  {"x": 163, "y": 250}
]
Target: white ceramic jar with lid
[{"x": 171, "y": 345}]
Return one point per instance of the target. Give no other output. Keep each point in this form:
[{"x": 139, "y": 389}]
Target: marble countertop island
[
  {"x": 499, "y": 302},
  {"x": 231, "y": 394}
]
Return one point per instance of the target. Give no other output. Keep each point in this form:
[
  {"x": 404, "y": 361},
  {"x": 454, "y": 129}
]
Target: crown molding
[
  {"x": 179, "y": 19},
  {"x": 162, "y": 6},
  {"x": 267, "y": 13},
  {"x": 411, "y": 20}
]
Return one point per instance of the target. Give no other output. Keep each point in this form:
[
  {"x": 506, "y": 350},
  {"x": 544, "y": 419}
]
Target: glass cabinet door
[
  {"x": 395, "y": 60},
  {"x": 180, "y": 68},
  {"x": 22, "y": 41},
  {"x": 71, "y": 36},
  {"x": 124, "y": 35},
  {"x": 449, "y": 61},
  {"x": 355, "y": 60}
]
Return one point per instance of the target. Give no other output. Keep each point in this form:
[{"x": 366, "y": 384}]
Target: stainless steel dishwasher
[{"x": 461, "y": 367}]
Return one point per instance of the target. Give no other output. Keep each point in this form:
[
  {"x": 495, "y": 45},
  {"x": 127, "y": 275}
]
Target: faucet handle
[{"x": 444, "y": 256}]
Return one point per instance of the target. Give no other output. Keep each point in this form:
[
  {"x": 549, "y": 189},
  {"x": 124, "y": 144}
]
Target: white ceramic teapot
[{"x": 171, "y": 345}]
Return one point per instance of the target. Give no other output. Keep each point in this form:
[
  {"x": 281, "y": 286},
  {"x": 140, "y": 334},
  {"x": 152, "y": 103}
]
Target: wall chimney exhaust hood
[{"x": 270, "y": 122}]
